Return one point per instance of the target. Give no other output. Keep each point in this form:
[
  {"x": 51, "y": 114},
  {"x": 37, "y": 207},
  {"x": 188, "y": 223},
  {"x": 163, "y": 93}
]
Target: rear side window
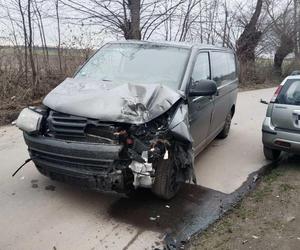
[
  {"x": 290, "y": 93},
  {"x": 223, "y": 67}
]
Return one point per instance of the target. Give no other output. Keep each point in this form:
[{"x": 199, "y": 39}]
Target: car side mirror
[{"x": 203, "y": 88}]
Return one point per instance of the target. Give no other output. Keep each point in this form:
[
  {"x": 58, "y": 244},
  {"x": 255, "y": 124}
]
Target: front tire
[
  {"x": 225, "y": 131},
  {"x": 165, "y": 185},
  {"x": 271, "y": 154}
]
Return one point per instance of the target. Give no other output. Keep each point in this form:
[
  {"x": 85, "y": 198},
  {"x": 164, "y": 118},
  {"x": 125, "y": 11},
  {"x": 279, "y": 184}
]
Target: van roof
[{"x": 175, "y": 44}]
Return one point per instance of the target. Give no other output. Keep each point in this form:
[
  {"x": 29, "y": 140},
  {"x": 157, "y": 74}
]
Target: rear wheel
[
  {"x": 165, "y": 184},
  {"x": 225, "y": 131},
  {"x": 271, "y": 154}
]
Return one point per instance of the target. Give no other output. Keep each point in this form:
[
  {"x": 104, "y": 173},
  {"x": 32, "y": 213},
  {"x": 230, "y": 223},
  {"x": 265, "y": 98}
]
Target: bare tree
[
  {"x": 297, "y": 28},
  {"x": 40, "y": 24},
  {"x": 135, "y": 19},
  {"x": 225, "y": 24},
  {"x": 30, "y": 43},
  {"x": 248, "y": 40},
  {"x": 133, "y": 29},
  {"x": 283, "y": 29},
  {"x": 21, "y": 11},
  {"x": 58, "y": 35},
  {"x": 188, "y": 19}
]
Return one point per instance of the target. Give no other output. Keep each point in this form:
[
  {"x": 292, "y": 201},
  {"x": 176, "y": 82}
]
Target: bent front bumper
[
  {"x": 277, "y": 138},
  {"x": 90, "y": 165}
]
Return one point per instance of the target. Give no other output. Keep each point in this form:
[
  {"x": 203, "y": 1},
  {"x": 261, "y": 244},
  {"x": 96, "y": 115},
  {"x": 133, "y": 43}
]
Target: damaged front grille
[
  {"x": 76, "y": 163},
  {"x": 67, "y": 125},
  {"x": 70, "y": 127}
]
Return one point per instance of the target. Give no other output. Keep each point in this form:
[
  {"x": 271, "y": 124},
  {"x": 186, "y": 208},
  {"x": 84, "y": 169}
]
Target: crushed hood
[{"x": 128, "y": 103}]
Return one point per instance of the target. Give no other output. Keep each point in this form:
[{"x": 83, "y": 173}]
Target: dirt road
[{"x": 37, "y": 213}]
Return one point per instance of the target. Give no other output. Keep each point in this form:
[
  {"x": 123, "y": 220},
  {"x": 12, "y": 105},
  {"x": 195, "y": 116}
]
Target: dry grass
[{"x": 16, "y": 92}]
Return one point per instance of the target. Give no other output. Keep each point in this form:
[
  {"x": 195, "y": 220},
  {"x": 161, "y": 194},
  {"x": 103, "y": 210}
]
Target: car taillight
[{"x": 276, "y": 93}]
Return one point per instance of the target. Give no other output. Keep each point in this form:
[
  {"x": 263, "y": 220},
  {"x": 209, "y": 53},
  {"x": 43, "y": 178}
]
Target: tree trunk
[
  {"x": 250, "y": 37},
  {"x": 296, "y": 29},
  {"x": 59, "y": 38},
  {"x": 133, "y": 30},
  {"x": 30, "y": 45},
  {"x": 286, "y": 47},
  {"x": 225, "y": 24},
  {"x": 18, "y": 49},
  {"x": 43, "y": 38},
  {"x": 246, "y": 44},
  {"x": 25, "y": 40}
]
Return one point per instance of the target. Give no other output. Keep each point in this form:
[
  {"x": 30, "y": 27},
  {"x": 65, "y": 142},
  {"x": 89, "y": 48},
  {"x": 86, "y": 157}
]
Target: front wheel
[
  {"x": 225, "y": 131},
  {"x": 165, "y": 184},
  {"x": 271, "y": 154}
]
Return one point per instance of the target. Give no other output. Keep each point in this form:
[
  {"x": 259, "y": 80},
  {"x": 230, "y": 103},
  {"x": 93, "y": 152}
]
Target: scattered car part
[{"x": 19, "y": 168}]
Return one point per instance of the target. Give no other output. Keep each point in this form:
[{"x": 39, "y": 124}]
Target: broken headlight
[{"x": 29, "y": 120}]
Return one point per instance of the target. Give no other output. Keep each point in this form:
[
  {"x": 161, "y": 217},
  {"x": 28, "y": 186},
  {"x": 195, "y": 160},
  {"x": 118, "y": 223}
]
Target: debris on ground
[
  {"x": 290, "y": 218},
  {"x": 50, "y": 188},
  {"x": 255, "y": 178}
]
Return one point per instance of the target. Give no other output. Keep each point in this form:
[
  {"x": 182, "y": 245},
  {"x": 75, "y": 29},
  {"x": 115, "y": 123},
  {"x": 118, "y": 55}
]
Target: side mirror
[{"x": 203, "y": 88}]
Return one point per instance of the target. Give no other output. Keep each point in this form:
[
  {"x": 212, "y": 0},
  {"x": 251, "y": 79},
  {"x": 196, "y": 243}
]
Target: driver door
[{"x": 200, "y": 107}]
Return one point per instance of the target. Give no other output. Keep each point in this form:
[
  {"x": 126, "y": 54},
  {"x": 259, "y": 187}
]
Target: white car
[{"x": 281, "y": 127}]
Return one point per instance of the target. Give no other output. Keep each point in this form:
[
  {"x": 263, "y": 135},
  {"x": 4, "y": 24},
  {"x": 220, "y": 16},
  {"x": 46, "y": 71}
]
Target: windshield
[{"x": 137, "y": 63}]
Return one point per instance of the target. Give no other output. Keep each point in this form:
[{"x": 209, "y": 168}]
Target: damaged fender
[{"x": 180, "y": 128}]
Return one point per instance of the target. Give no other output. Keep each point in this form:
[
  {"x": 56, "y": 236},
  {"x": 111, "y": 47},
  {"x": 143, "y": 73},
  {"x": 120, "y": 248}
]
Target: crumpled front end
[{"x": 112, "y": 155}]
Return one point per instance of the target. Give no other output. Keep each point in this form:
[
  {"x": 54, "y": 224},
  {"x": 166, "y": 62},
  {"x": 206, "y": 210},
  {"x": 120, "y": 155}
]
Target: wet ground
[{"x": 37, "y": 213}]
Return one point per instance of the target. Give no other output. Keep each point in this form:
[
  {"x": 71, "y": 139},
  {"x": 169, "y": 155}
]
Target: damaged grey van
[{"x": 134, "y": 115}]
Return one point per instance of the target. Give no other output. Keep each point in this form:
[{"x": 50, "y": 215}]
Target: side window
[
  {"x": 201, "y": 69},
  {"x": 223, "y": 67}
]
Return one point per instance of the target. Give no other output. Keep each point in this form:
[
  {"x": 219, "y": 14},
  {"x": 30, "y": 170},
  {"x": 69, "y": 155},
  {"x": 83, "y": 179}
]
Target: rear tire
[
  {"x": 271, "y": 154},
  {"x": 165, "y": 184},
  {"x": 225, "y": 131}
]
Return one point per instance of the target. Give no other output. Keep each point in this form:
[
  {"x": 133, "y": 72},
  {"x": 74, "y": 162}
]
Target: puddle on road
[
  {"x": 150, "y": 213},
  {"x": 193, "y": 207},
  {"x": 191, "y": 211}
]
